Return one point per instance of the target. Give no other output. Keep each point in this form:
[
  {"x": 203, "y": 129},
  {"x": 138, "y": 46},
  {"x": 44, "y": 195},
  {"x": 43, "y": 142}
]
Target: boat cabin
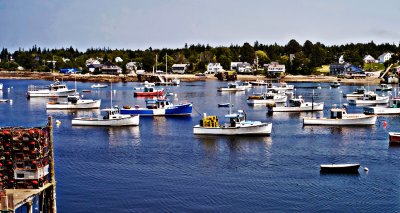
[
  {"x": 149, "y": 89},
  {"x": 337, "y": 113},
  {"x": 112, "y": 113},
  {"x": 296, "y": 102},
  {"x": 73, "y": 98},
  {"x": 235, "y": 118},
  {"x": 157, "y": 103},
  {"x": 395, "y": 102},
  {"x": 232, "y": 85},
  {"x": 360, "y": 90},
  {"x": 369, "y": 96}
]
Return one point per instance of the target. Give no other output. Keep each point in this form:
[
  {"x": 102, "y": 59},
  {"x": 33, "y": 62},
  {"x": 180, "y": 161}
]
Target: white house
[
  {"x": 244, "y": 67},
  {"x": 110, "y": 68},
  {"x": 341, "y": 60},
  {"x": 118, "y": 59},
  {"x": 180, "y": 68},
  {"x": 234, "y": 65},
  {"x": 384, "y": 57},
  {"x": 274, "y": 69},
  {"x": 369, "y": 59},
  {"x": 214, "y": 68},
  {"x": 92, "y": 61}
]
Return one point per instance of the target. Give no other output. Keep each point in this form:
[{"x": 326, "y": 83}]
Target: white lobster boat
[
  {"x": 112, "y": 118},
  {"x": 394, "y": 109},
  {"x": 358, "y": 94},
  {"x": 339, "y": 117},
  {"x": 298, "y": 105},
  {"x": 238, "y": 125},
  {"x": 74, "y": 102},
  {"x": 232, "y": 87},
  {"x": 266, "y": 98},
  {"x": 281, "y": 87},
  {"x": 370, "y": 98},
  {"x": 55, "y": 89}
]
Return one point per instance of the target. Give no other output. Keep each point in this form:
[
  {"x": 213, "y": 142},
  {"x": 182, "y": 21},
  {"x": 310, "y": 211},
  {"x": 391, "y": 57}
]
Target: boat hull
[
  {"x": 339, "y": 168},
  {"x": 316, "y": 107},
  {"x": 141, "y": 94},
  {"x": 177, "y": 110},
  {"x": 128, "y": 121},
  {"x": 83, "y": 104},
  {"x": 47, "y": 93},
  {"x": 259, "y": 129},
  {"x": 359, "y": 119},
  {"x": 394, "y": 138},
  {"x": 384, "y": 100},
  {"x": 381, "y": 111}
]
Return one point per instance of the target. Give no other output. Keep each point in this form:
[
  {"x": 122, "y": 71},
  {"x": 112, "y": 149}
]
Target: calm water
[{"x": 161, "y": 166}]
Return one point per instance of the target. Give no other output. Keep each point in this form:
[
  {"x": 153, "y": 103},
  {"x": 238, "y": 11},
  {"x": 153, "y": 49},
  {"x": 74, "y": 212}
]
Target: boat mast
[
  {"x": 230, "y": 103},
  {"x": 111, "y": 106},
  {"x": 312, "y": 101}
]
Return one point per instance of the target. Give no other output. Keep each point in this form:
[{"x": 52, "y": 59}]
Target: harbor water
[{"x": 160, "y": 166}]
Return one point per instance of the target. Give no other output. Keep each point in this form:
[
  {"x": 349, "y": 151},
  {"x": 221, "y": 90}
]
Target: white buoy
[
  {"x": 58, "y": 122},
  {"x": 366, "y": 169}
]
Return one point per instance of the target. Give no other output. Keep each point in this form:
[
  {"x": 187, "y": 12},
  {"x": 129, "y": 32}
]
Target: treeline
[{"x": 298, "y": 58}]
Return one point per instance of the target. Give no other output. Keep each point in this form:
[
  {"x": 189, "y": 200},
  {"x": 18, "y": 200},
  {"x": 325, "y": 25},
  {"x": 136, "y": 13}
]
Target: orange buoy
[{"x": 385, "y": 124}]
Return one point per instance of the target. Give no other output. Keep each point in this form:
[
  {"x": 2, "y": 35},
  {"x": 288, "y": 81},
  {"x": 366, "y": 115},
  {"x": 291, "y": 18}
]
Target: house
[
  {"x": 341, "y": 59},
  {"x": 118, "y": 59},
  {"x": 384, "y": 57},
  {"x": 94, "y": 67},
  {"x": 110, "y": 68},
  {"x": 344, "y": 69},
  {"x": 369, "y": 59},
  {"x": 214, "y": 68},
  {"x": 180, "y": 68},
  {"x": 234, "y": 65},
  {"x": 244, "y": 68},
  {"x": 92, "y": 61},
  {"x": 274, "y": 69}
]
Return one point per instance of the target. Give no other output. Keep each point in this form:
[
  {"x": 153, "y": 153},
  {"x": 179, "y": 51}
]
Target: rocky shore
[{"x": 185, "y": 77}]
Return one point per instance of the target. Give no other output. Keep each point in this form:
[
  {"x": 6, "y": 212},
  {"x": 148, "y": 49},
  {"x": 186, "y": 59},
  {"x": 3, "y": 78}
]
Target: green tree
[
  {"x": 292, "y": 47},
  {"x": 262, "y": 58},
  {"x": 247, "y": 53}
]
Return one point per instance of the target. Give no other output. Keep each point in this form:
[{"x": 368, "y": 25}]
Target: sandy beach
[{"x": 182, "y": 77}]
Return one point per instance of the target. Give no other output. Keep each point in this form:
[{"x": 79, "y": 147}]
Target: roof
[{"x": 180, "y": 65}]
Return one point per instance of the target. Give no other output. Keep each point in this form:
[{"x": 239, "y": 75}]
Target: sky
[{"x": 140, "y": 24}]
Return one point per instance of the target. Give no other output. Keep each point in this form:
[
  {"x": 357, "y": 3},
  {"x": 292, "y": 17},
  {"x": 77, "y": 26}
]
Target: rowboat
[
  {"x": 99, "y": 86},
  {"x": 339, "y": 168}
]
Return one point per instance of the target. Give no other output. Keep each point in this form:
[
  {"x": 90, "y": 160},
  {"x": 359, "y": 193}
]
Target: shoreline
[{"x": 182, "y": 77}]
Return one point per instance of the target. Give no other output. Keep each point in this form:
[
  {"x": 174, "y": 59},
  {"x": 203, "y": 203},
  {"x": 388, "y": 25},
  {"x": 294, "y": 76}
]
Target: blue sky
[{"x": 139, "y": 24}]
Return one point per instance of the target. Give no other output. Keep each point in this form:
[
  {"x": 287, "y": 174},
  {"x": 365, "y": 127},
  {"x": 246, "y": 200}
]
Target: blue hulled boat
[{"x": 159, "y": 107}]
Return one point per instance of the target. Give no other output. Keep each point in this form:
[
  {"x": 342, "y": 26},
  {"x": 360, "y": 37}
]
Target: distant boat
[
  {"x": 112, "y": 118},
  {"x": 86, "y": 90},
  {"x": 149, "y": 91},
  {"x": 339, "y": 168},
  {"x": 298, "y": 105},
  {"x": 339, "y": 117},
  {"x": 225, "y": 105},
  {"x": 232, "y": 87},
  {"x": 281, "y": 87},
  {"x": 5, "y": 100},
  {"x": 394, "y": 138},
  {"x": 56, "y": 89},
  {"x": 266, "y": 98},
  {"x": 335, "y": 84},
  {"x": 99, "y": 86},
  {"x": 159, "y": 107},
  {"x": 259, "y": 83},
  {"x": 74, "y": 102},
  {"x": 393, "y": 109},
  {"x": 370, "y": 98},
  {"x": 359, "y": 93},
  {"x": 384, "y": 87}
]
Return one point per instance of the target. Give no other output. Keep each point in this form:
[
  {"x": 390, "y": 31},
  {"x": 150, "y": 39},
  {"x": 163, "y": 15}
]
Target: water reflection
[
  {"x": 126, "y": 136},
  {"x": 75, "y": 112}
]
